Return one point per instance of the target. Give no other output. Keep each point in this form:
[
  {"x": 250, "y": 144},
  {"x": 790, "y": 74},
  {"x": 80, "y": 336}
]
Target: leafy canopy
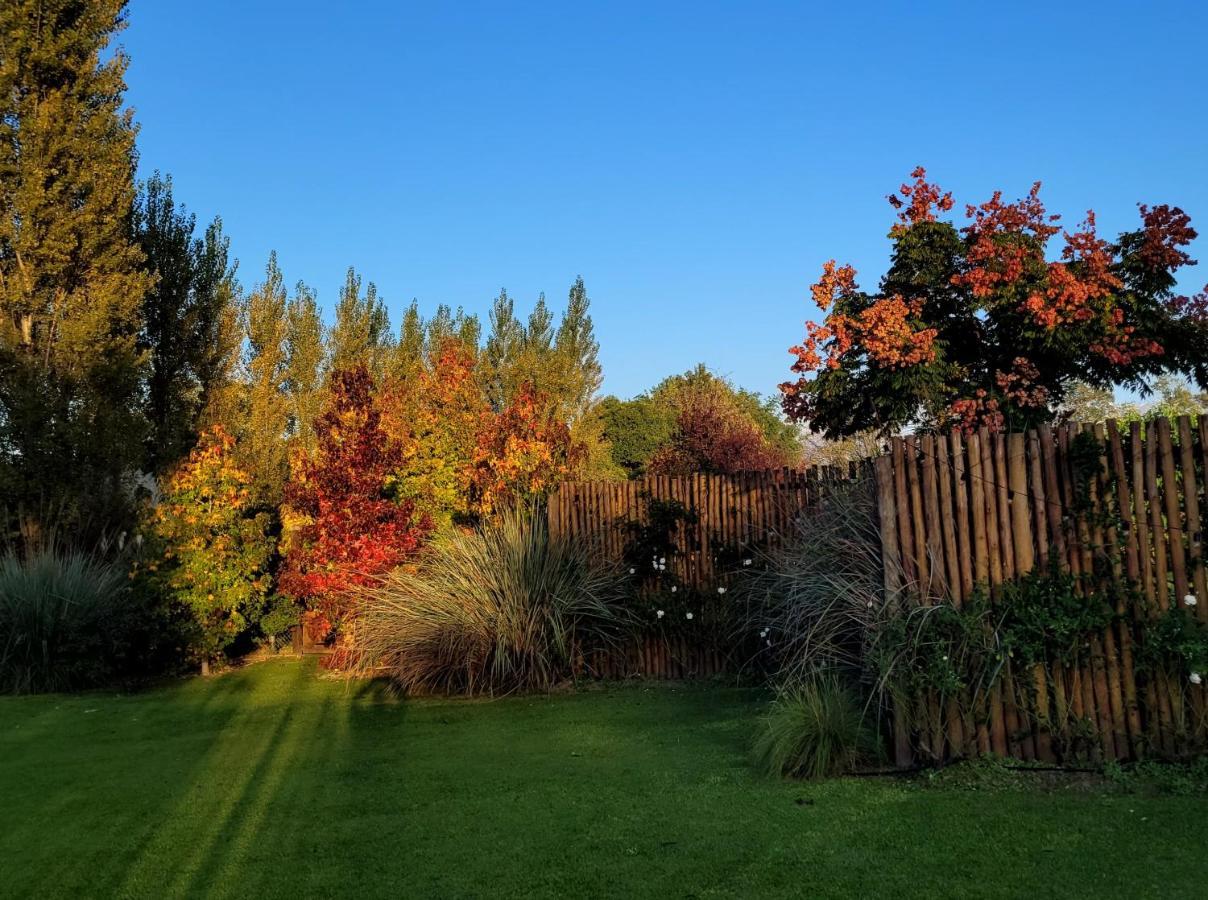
[{"x": 977, "y": 326}]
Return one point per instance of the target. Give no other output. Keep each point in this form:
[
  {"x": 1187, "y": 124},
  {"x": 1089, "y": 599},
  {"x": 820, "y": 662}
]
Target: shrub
[
  {"x": 815, "y": 728},
  {"x": 65, "y": 620},
  {"x": 505, "y": 608}
]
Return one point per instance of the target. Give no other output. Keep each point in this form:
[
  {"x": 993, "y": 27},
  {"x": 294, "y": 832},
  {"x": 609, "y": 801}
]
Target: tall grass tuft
[
  {"x": 816, "y": 601},
  {"x": 815, "y": 728},
  {"x": 62, "y": 619},
  {"x": 503, "y": 609}
]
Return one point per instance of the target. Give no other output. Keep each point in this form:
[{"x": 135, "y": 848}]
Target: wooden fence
[
  {"x": 730, "y": 512},
  {"x": 1121, "y": 510}
]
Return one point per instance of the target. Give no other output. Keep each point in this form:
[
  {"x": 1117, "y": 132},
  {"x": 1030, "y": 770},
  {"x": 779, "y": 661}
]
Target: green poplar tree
[
  {"x": 71, "y": 275},
  {"x": 262, "y": 448},
  {"x": 361, "y": 333},
  {"x": 305, "y": 357}
]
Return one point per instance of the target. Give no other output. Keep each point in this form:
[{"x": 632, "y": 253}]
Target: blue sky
[{"x": 696, "y": 163}]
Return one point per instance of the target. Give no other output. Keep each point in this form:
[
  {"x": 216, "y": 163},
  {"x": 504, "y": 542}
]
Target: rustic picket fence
[
  {"x": 731, "y": 514},
  {"x": 958, "y": 512},
  {"x": 751, "y": 509}
]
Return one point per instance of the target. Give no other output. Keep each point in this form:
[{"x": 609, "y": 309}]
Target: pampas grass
[{"x": 503, "y": 609}]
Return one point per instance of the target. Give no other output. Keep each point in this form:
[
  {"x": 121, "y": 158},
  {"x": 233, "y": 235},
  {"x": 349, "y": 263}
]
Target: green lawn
[{"x": 272, "y": 781}]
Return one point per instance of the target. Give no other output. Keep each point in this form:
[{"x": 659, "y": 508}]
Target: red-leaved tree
[
  {"x": 712, "y": 434},
  {"x": 344, "y": 527}
]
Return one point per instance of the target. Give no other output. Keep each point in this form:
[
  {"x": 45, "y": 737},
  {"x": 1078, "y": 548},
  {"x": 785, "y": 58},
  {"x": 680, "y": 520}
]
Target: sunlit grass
[{"x": 275, "y": 781}]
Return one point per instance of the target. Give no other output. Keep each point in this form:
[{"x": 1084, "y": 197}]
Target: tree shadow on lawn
[{"x": 281, "y": 782}]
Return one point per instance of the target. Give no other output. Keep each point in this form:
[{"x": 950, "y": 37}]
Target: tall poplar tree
[
  {"x": 71, "y": 275},
  {"x": 266, "y": 422},
  {"x": 305, "y": 357},
  {"x": 361, "y": 333}
]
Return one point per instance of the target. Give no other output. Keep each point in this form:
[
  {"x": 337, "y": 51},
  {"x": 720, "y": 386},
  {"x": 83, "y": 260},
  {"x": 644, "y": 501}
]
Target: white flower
[
  {"x": 763, "y": 633},
  {"x": 1189, "y": 600},
  {"x": 1195, "y": 678},
  {"x": 746, "y": 562},
  {"x": 631, "y": 571},
  {"x": 688, "y": 615},
  {"x": 662, "y": 560},
  {"x": 662, "y": 568},
  {"x": 721, "y": 590},
  {"x": 674, "y": 588},
  {"x": 945, "y": 657},
  {"x": 661, "y": 613}
]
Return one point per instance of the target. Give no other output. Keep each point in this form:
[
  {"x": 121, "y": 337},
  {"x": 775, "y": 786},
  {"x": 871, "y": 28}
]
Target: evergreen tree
[
  {"x": 71, "y": 276},
  {"x": 361, "y": 333},
  {"x": 305, "y": 356},
  {"x": 262, "y": 448},
  {"x": 183, "y": 316}
]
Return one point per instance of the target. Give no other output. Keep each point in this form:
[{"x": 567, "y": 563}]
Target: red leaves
[
  {"x": 350, "y": 529},
  {"x": 712, "y": 436},
  {"x": 1167, "y": 228}
]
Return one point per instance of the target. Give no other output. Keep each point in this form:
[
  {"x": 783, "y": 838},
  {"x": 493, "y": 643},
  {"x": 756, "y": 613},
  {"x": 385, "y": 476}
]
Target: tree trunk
[{"x": 205, "y": 667}]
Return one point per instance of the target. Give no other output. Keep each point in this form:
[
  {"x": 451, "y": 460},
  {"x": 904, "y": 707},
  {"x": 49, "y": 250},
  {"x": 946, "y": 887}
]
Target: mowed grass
[{"x": 274, "y": 781}]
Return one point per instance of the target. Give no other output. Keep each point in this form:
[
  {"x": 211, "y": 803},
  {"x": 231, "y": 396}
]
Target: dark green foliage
[
  {"x": 71, "y": 620},
  {"x": 635, "y": 429},
  {"x": 185, "y": 317},
  {"x": 1176, "y": 641},
  {"x": 1044, "y": 618}
]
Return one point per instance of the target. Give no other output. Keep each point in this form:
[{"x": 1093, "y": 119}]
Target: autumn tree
[
  {"x": 523, "y": 453},
  {"x": 977, "y": 326},
  {"x": 216, "y": 547},
  {"x": 445, "y": 421},
  {"x": 71, "y": 274},
  {"x": 344, "y": 526},
  {"x": 713, "y": 434}
]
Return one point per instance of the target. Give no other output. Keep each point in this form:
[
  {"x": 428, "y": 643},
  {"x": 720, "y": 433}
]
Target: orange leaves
[
  {"x": 1167, "y": 229},
  {"x": 522, "y": 453},
  {"x": 1004, "y": 239},
  {"x": 835, "y": 281},
  {"x": 887, "y": 335},
  {"x": 884, "y": 329},
  {"x": 924, "y": 198}
]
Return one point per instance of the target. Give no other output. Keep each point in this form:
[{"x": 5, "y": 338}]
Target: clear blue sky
[{"x": 694, "y": 162}]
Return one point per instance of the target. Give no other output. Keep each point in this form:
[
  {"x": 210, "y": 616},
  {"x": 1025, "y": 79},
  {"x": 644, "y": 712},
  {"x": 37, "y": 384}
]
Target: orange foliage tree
[
  {"x": 521, "y": 453},
  {"x": 978, "y": 326}
]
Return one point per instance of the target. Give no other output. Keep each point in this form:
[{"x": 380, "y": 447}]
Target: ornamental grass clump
[
  {"x": 502, "y": 609},
  {"x": 815, "y": 728},
  {"x": 63, "y": 620},
  {"x": 813, "y": 602}
]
